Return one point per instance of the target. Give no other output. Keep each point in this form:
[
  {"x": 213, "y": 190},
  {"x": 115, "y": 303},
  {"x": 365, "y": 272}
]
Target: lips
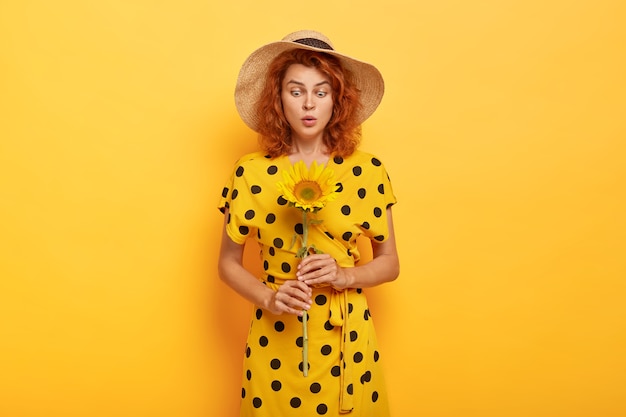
[{"x": 309, "y": 121}]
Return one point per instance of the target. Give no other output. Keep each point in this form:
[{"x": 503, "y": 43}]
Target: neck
[{"x": 309, "y": 152}]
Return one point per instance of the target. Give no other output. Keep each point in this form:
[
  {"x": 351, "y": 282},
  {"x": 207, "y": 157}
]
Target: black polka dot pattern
[
  {"x": 275, "y": 363},
  {"x": 318, "y": 398},
  {"x": 273, "y": 355}
]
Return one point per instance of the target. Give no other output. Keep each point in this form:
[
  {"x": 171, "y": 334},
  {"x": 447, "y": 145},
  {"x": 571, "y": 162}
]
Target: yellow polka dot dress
[{"x": 344, "y": 373}]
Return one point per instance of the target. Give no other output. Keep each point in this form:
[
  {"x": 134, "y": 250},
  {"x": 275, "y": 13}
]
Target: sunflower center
[{"x": 308, "y": 190}]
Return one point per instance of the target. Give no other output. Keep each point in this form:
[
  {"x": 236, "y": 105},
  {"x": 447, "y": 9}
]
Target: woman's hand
[
  {"x": 291, "y": 297},
  {"x": 322, "y": 269}
]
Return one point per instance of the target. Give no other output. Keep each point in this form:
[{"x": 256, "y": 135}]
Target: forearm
[
  {"x": 383, "y": 268},
  {"x": 291, "y": 297},
  {"x": 232, "y": 272},
  {"x": 244, "y": 283}
]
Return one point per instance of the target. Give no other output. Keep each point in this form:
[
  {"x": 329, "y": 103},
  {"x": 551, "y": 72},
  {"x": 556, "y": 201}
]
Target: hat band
[{"x": 315, "y": 43}]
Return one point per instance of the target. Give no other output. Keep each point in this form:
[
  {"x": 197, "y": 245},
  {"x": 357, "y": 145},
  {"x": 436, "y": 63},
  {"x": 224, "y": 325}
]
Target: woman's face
[{"x": 307, "y": 102}]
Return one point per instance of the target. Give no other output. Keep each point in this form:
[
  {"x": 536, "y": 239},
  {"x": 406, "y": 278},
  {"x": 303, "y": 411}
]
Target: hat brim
[{"x": 252, "y": 76}]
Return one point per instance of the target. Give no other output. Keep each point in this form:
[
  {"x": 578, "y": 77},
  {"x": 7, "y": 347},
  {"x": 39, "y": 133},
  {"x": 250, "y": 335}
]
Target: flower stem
[
  {"x": 305, "y": 345},
  {"x": 305, "y": 232},
  {"x": 305, "y": 316}
]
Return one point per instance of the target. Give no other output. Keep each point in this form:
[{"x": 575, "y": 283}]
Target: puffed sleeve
[
  {"x": 376, "y": 227},
  {"x": 235, "y": 197}
]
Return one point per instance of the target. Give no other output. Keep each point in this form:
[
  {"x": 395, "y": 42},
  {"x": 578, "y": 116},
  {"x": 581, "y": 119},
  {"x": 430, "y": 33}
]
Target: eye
[
  {"x": 296, "y": 93},
  {"x": 322, "y": 93}
]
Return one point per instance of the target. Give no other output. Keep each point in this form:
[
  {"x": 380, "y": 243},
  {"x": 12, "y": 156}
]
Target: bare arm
[
  {"x": 291, "y": 297},
  {"x": 384, "y": 267}
]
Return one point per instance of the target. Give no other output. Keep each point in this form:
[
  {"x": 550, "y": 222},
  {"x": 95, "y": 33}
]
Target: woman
[{"x": 308, "y": 101}]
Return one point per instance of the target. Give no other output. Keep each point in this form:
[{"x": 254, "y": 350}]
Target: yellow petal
[{"x": 308, "y": 188}]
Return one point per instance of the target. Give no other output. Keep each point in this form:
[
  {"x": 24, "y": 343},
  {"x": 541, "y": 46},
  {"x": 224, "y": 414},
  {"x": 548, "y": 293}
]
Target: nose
[{"x": 308, "y": 103}]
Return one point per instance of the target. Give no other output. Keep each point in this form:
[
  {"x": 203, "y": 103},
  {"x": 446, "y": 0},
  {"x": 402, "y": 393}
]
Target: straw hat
[{"x": 252, "y": 75}]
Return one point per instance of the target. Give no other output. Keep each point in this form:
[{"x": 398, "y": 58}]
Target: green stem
[
  {"x": 305, "y": 333},
  {"x": 305, "y": 231},
  {"x": 305, "y": 345}
]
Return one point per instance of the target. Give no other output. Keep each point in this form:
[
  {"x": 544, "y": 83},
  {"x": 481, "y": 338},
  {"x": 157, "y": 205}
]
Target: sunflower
[{"x": 308, "y": 189}]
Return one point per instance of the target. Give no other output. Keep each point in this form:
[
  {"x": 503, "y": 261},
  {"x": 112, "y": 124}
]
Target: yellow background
[{"x": 503, "y": 131}]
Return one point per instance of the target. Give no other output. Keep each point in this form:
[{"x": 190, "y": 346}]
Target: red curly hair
[{"x": 343, "y": 132}]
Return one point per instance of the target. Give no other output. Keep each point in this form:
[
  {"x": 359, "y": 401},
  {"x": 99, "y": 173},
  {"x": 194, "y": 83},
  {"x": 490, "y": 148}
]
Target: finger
[
  {"x": 317, "y": 278},
  {"x": 297, "y": 290},
  {"x": 330, "y": 274},
  {"x": 296, "y": 285},
  {"x": 293, "y": 306},
  {"x": 295, "y": 297},
  {"x": 329, "y": 267},
  {"x": 313, "y": 259},
  {"x": 284, "y": 308},
  {"x": 315, "y": 264}
]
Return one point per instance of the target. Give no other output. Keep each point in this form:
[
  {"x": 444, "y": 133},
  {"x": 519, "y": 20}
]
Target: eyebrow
[{"x": 302, "y": 84}]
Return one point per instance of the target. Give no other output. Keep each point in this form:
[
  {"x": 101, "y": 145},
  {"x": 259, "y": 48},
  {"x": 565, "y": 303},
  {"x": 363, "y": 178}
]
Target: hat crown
[{"x": 310, "y": 38}]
